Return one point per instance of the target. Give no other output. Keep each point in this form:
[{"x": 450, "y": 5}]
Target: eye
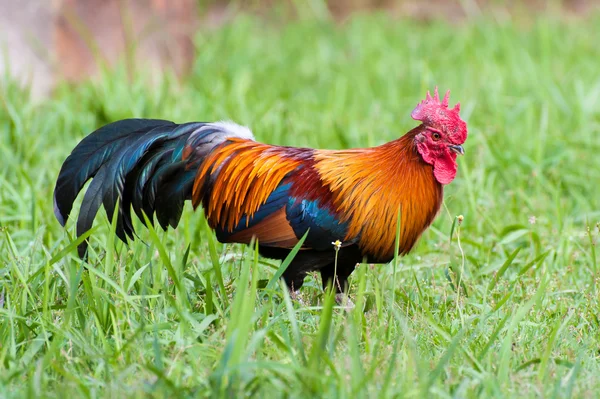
[{"x": 436, "y": 136}]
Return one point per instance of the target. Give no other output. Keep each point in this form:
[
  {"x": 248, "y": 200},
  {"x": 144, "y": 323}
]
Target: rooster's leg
[
  {"x": 293, "y": 279},
  {"x": 344, "y": 301},
  {"x": 343, "y": 272},
  {"x": 340, "y": 283}
]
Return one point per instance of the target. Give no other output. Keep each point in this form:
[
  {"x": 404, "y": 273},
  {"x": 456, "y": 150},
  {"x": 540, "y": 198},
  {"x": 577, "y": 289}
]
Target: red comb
[{"x": 428, "y": 110}]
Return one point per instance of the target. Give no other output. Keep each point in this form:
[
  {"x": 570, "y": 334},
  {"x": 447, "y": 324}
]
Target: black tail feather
[
  {"x": 89, "y": 155},
  {"x": 135, "y": 163}
]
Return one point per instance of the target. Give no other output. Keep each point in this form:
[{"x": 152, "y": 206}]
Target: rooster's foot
[
  {"x": 297, "y": 297},
  {"x": 344, "y": 301}
]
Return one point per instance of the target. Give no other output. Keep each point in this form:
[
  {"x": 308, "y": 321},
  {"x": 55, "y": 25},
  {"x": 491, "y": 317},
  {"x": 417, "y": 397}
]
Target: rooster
[{"x": 273, "y": 194}]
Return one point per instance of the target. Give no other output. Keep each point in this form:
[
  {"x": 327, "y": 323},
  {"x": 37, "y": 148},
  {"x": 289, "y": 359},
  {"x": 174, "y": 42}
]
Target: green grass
[{"x": 181, "y": 315}]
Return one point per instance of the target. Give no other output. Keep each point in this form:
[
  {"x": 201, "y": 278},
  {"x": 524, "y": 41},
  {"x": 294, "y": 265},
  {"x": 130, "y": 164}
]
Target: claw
[
  {"x": 343, "y": 300},
  {"x": 296, "y": 297}
]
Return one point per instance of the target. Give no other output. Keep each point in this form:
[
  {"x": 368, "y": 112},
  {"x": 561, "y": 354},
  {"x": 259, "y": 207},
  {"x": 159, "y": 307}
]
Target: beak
[{"x": 457, "y": 149}]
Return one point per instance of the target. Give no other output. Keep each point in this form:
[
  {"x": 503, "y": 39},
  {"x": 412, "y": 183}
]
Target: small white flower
[
  {"x": 337, "y": 244},
  {"x": 532, "y": 219}
]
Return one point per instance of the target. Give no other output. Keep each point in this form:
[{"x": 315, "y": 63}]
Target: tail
[{"x": 145, "y": 164}]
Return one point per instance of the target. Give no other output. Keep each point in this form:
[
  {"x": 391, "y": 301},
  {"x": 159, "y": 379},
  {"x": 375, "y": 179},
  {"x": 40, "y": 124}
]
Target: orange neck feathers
[{"x": 370, "y": 186}]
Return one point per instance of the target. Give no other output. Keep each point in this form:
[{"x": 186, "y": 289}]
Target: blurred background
[{"x": 45, "y": 41}]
